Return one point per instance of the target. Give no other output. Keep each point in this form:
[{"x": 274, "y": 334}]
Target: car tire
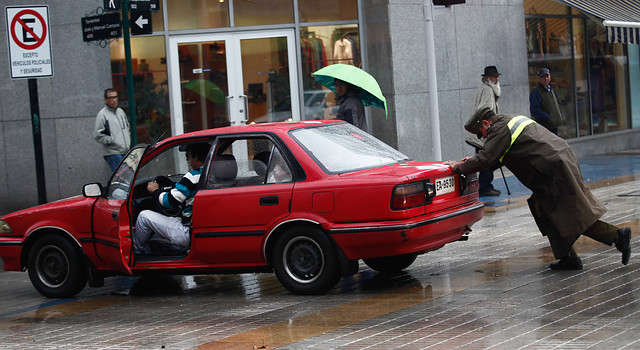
[
  {"x": 391, "y": 263},
  {"x": 56, "y": 268},
  {"x": 305, "y": 262}
]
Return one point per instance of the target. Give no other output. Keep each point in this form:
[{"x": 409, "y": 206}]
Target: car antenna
[{"x": 159, "y": 138}]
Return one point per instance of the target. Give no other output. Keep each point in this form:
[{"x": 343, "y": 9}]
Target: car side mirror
[{"x": 92, "y": 190}]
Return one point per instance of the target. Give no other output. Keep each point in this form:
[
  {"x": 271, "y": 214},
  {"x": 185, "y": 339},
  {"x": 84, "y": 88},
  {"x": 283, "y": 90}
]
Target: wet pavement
[{"x": 494, "y": 291}]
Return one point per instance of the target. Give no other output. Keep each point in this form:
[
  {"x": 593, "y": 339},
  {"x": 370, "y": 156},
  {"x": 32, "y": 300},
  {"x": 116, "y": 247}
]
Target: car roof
[{"x": 277, "y": 127}]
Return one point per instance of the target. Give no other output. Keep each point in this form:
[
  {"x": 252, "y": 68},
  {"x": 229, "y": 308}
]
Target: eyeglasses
[{"x": 111, "y": 97}]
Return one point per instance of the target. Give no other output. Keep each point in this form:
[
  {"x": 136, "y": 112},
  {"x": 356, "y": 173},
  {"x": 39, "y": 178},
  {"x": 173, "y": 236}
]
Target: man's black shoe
[
  {"x": 567, "y": 263},
  {"x": 491, "y": 192},
  {"x": 624, "y": 244}
]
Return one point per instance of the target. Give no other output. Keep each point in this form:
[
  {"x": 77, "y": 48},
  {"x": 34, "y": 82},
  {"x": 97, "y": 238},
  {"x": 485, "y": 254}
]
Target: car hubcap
[
  {"x": 53, "y": 266},
  {"x": 303, "y": 260}
]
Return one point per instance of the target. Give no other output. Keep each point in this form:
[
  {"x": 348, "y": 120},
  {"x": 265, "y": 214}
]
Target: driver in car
[{"x": 171, "y": 229}]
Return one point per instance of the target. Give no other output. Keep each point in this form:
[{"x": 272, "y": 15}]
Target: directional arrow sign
[{"x": 141, "y": 22}]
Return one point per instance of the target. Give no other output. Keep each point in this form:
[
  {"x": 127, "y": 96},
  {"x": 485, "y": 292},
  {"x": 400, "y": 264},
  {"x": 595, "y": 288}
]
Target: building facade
[{"x": 214, "y": 63}]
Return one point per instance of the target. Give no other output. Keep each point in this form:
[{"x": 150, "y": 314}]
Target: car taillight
[
  {"x": 412, "y": 195},
  {"x": 468, "y": 184}
]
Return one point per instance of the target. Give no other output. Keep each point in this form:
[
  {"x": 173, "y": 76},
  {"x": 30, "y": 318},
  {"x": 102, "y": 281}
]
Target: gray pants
[{"x": 169, "y": 228}]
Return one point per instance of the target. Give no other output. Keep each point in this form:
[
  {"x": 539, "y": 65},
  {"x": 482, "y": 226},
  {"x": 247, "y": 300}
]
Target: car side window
[
  {"x": 247, "y": 162},
  {"x": 120, "y": 184},
  {"x": 278, "y": 171},
  {"x": 171, "y": 163}
]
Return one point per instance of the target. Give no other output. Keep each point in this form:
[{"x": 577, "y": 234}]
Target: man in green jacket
[
  {"x": 112, "y": 129},
  {"x": 562, "y": 206}
]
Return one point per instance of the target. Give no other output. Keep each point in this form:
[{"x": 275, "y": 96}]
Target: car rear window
[{"x": 341, "y": 148}]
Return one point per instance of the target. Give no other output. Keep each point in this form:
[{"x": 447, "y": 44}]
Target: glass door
[{"x": 232, "y": 79}]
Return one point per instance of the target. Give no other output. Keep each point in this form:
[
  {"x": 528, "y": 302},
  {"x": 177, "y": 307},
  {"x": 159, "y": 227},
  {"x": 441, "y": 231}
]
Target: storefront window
[
  {"x": 634, "y": 83},
  {"x": 156, "y": 19},
  {"x": 322, "y": 46},
  {"x": 197, "y": 14},
  {"x": 549, "y": 46},
  {"x": 606, "y": 74},
  {"x": 583, "y": 111},
  {"x": 590, "y": 76},
  {"x": 261, "y": 12},
  {"x": 150, "y": 83},
  {"x": 328, "y": 10}
]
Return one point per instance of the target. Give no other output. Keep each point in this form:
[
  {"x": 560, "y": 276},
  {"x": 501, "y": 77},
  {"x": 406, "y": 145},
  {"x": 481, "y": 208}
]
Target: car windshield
[{"x": 342, "y": 148}]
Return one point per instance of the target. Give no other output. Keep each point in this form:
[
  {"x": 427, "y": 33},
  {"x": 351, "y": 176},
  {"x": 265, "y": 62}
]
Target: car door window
[
  {"x": 120, "y": 184},
  {"x": 171, "y": 163},
  {"x": 247, "y": 162}
]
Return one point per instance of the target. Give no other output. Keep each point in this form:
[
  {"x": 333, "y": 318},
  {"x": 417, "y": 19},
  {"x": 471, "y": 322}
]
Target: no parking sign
[{"x": 29, "y": 42}]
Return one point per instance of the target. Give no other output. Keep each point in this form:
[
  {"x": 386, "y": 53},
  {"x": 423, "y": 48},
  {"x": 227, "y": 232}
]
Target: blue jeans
[
  {"x": 113, "y": 160},
  {"x": 485, "y": 179}
]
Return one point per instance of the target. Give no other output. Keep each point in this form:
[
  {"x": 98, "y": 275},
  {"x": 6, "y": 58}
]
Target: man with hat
[
  {"x": 543, "y": 103},
  {"x": 562, "y": 206},
  {"x": 486, "y": 95}
]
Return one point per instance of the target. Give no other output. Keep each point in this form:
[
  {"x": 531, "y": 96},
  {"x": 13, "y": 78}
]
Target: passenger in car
[
  {"x": 172, "y": 229},
  {"x": 562, "y": 206}
]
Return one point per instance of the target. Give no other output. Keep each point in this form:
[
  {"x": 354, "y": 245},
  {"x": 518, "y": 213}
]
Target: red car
[{"x": 304, "y": 199}]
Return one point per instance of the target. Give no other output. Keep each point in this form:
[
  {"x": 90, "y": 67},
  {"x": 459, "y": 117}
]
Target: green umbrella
[
  {"x": 206, "y": 89},
  {"x": 371, "y": 94}
]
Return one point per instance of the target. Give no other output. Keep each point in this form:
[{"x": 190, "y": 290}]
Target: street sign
[
  {"x": 144, "y": 5},
  {"x": 111, "y": 5},
  {"x": 29, "y": 44},
  {"x": 101, "y": 27},
  {"x": 140, "y": 22}
]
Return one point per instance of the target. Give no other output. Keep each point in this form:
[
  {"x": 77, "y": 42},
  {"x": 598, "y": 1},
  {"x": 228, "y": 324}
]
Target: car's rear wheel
[
  {"x": 305, "y": 261},
  {"x": 391, "y": 263},
  {"x": 55, "y": 268}
]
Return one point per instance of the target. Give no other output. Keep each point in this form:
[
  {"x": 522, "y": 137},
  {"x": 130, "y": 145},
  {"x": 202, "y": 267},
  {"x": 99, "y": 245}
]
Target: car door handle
[
  {"x": 269, "y": 200},
  {"x": 114, "y": 215}
]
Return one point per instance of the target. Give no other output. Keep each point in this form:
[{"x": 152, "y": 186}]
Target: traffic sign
[
  {"x": 29, "y": 44},
  {"x": 111, "y": 5},
  {"x": 140, "y": 22},
  {"x": 101, "y": 27},
  {"x": 144, "y": 5}
]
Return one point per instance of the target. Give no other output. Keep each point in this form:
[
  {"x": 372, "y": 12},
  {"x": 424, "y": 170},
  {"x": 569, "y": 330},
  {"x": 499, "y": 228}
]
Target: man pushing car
[{"x": 562, "y": 206}]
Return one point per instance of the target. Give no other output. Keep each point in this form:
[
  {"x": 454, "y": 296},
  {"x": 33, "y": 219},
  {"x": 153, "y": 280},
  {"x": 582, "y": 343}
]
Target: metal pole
[
  {"x": 37, "y": 140},
  {"x": 431, "y": 78},
  {"x": 505, "y": 181},
  {"x": 129, "y": 77}
]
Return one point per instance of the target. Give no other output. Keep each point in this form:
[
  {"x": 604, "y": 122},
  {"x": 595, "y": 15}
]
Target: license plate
[{"x": 445, "y": 185}]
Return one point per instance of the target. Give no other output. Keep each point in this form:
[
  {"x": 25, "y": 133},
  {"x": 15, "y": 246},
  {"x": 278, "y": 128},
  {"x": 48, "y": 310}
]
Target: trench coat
[{"x": 562, "y": 206}]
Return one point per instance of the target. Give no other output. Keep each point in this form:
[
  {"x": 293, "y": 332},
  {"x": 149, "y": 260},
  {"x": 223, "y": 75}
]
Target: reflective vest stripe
[{"x": 516, "y": 125}]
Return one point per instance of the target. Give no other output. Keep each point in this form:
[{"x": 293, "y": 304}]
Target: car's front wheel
[
  {"x": 391, "y": 263},
  {"x": 305, "y": 261},
  {"x": 55, "y": 268}
]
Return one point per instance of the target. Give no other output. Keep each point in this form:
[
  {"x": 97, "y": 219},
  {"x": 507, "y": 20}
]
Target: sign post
[{"x": 30, "y": 58}]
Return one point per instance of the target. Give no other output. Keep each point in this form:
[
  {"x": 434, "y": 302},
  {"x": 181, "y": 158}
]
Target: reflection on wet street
[{"x": 494, "y": 291}]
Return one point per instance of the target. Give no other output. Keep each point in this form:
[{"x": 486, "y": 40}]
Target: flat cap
[
  {"x": 472, "y": 124},
  {"x": 543, "y": 71}
]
